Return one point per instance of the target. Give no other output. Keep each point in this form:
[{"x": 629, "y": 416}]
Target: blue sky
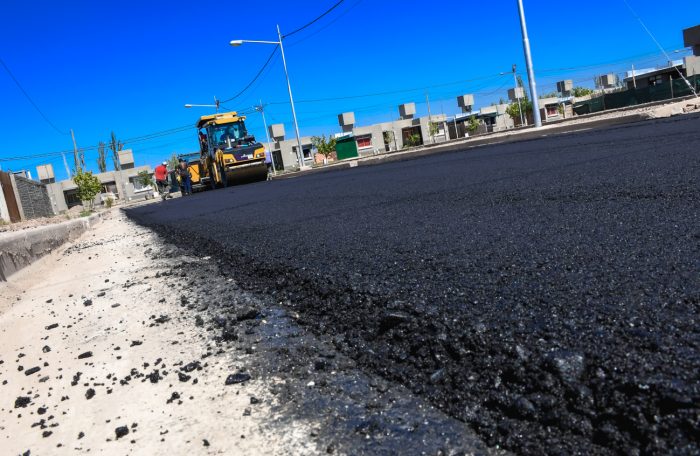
[{"x": 130, "y": 66}]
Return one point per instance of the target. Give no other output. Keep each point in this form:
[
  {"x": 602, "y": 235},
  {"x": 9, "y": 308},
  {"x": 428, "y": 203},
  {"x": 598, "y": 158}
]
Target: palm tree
[
  {"x": 101, "y": 158},
  {"x": 116, "y": 147}
]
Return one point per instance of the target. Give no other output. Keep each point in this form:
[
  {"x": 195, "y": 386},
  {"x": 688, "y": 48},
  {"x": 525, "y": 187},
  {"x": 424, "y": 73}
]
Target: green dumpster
[{"x": 346, "y": 147}]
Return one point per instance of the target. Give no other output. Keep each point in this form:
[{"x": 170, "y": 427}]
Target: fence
[
  {"x": 34, "y": 198},
  {"x": 676, "y": 88}
]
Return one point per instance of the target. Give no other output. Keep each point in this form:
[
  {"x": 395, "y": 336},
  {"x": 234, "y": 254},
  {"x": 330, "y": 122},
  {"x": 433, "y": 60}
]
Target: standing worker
[
  {"x": 161, "y": 175},
  {"x": 183, "y": 172},
  {"x": 268, "y": 163}
]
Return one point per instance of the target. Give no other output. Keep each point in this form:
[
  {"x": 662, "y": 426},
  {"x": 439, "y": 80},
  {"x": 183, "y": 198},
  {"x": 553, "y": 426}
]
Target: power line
[
  {"x": 267, "y": 62},
  {"x": 259, "y": 81},
  {"x": 340, "y": 16},
  {"x": 650, "y": 56},
  {"x": 30, "y": 98},
  {"x": 315, "y": 20},
  {"x": 391, "y": 92},
  {"x": 274, "y": 51},
  {"x": 128, "y": 141},
  {"x": 651, "y": 35}
]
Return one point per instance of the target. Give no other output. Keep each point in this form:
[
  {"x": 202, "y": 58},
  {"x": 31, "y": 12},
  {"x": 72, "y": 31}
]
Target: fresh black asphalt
[{"x": 545, "y": 292}]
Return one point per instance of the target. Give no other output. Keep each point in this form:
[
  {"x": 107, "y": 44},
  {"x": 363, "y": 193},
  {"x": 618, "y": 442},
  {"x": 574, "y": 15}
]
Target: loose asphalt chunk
[
  {"x": 240, "y": 377},
  {"x": 121, "y": 431}
]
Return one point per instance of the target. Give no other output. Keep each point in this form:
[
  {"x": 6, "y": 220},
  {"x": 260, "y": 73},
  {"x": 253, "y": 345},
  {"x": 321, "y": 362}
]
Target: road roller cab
[{"x": 229, "y": 155}]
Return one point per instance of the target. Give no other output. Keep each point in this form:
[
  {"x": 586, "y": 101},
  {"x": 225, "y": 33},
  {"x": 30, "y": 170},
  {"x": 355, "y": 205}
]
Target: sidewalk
[{"x": 94, "y": 345}]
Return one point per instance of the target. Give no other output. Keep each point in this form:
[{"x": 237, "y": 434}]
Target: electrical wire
[
  {"x": 651, "y": 35},
  {"x": 30, "y": 98},
  {"x": 128, "y": 141},
  {"x": 391, "y": 92},
  {"x": 315, "y": 20},
  {"x": 267, "y": 62},
  {"x": 340, "y": 16}
]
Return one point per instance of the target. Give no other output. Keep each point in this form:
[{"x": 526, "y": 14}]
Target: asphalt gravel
[{"x": 545, "y": 292}]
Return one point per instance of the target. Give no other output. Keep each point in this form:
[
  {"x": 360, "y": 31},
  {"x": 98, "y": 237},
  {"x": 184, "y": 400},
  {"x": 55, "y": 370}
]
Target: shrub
[{"x": 412, "y": 140}]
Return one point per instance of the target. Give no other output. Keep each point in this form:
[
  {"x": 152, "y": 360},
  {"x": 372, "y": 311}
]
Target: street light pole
[
  {"x": 530, "y": 70},
  {"x": 300, "y": 151}
]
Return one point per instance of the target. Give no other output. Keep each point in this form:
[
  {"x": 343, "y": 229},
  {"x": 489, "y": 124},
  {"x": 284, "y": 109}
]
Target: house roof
[{"x": 654, "y": 72}]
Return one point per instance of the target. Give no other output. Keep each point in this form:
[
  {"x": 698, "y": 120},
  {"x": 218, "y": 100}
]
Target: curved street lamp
[{"x": 236, "y": 43}]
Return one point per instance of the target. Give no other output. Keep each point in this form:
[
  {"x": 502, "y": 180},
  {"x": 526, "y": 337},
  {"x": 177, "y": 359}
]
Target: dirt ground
[{"x": 97, "y": 357}]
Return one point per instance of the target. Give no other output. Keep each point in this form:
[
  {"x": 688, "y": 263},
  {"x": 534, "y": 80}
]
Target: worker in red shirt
[{"x": 161, "y": 174}]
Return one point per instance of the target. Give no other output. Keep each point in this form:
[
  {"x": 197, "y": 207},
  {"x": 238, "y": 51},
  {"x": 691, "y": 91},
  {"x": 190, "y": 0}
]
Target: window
[
  {"x": 137, "y": 183},
  {"x": 306, "y": 149},
  {"x": 552, "y": 110},
  {"x": 656, "y": 80},
  {"x": 364, "y": 142},
  {"x": 229, "y": 134}
]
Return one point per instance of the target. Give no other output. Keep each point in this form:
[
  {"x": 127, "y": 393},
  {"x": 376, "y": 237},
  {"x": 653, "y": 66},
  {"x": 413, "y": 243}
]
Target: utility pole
[
  {"x": 121, "y": 177},
  {"x": 261, "y": 109},
  {"x": 517, "y": 95},
  {"x": 75, "y": 151},
  {"x": 671, "y": 81},
  {"x": 634, "y": 78},
  {"x": 430, "y": 119},
  {"x": 530, "y": 69}
]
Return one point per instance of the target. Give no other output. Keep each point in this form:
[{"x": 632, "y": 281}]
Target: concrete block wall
[
  {"x": 34, "y": 198},
  {"x": 4, "y": 211}
]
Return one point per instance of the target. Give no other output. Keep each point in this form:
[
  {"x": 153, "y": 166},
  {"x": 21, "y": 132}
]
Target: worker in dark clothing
[{"x": 183, "y": 172}]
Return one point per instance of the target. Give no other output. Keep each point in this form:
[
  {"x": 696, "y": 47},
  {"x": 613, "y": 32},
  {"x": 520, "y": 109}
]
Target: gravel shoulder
[
  {"x": 114, "y": 359},
  {"x": 120, "y": 344}
]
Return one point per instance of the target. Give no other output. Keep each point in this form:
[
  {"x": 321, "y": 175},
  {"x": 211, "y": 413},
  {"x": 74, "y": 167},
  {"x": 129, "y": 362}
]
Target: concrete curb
[{"x": 20, "y": 249}]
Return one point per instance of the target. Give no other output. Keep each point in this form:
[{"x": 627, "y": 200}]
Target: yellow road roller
[{"x": 229, "y": 155}]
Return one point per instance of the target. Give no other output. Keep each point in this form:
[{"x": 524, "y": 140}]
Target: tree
[
  {"x": 513, "y": 110},
  {"x": 145, "y": 178},
  {"x": 549, "y": 95},
  {"x": 473, "y": 124},
  {"x": 388, "y": 136},
  {"x": 116, "y": 147},
  {"x": 324, "y": 146},
  {"x": 173, "y": 162},
  {"x": 81, "y": 156},
  {"x": 89, "y": 187},
  {"x": 581, "y": 91},
  {"x": 434, "y": 128},
  {"x": 101, "y": 158}
]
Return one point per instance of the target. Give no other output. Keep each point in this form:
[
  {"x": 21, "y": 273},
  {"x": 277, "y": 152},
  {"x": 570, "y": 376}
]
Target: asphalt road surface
[{"x": 545, "y": 292}]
